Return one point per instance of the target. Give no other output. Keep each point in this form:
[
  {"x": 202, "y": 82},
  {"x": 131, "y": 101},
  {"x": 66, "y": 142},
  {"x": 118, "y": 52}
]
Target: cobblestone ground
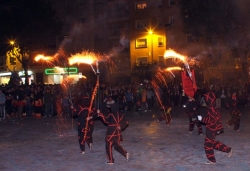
[{"x": 50, "y": 144}]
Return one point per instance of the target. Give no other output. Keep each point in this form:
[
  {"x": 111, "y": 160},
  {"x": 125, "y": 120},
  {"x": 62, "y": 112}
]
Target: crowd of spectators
[{"x": 40, "y": 100}]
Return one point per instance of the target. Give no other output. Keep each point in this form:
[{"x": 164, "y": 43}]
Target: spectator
[{"x": 2, "y": 105}]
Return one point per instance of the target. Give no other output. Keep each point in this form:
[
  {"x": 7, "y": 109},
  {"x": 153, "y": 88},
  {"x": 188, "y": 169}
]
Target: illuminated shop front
[
  {"x": 5, "y": 77},
  {"x": 56, "y": 75},
  {"x": 30, "y": 76}
]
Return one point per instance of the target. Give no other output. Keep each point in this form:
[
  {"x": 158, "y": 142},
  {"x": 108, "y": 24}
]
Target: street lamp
[
  {"x": 150, "y": 32},
  {"x": 12, "y": 42},
  {"x": 11, "y": 54}
]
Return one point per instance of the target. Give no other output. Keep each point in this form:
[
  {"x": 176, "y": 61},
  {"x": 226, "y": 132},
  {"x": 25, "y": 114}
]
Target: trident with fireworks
[
  {"x": 172, "y": 54},
  {"x": 88, "y": 58}
]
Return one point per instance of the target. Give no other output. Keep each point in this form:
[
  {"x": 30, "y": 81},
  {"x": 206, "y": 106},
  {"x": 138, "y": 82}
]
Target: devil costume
[
  {"x": 116, "y": 123},
  {"x": 85, "y": 123},
  {"x": 166, "y": 104},
  {"x": 235, "y": 113},
  {"x": 191, "y": 110},
  {"x": 213, "y": 128}
]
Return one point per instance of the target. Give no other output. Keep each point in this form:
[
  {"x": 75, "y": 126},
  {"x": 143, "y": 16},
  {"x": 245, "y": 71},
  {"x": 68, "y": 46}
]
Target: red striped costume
[
  {"x": 85, "y": 126},
  {"x": 116, "y": 124},
  {"x": 213, "y": 127}
]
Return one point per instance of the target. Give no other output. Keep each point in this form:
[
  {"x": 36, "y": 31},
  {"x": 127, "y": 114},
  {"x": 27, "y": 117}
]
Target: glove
[{"x": 199, "y": 117}]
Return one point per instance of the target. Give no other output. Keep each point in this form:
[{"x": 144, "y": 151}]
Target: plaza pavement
[{"x": 50, "y": 144}]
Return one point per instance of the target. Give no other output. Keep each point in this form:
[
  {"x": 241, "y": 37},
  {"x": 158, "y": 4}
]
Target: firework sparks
[
  {"x": 85, "y": 57},
  {"x": 42, "y": 57},
  {"x": 173, "y": 68},
  {"x": 161, "y": 78},
  {"x": 172, "y": 54},
  {"x": 76, "y": 76},
  {"x": 170, "y": 69}
]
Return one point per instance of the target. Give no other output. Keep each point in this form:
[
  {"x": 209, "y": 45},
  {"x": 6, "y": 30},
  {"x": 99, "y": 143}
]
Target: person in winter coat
[
  {"x": 2, "y": 105},
  {"x": 213, "y": 128},
  {"x": 48, "y": 102}
]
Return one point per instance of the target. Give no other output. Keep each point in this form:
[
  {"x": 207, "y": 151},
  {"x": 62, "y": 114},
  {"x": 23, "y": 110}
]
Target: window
[
  {"x": 141, "y": 60},
  {"x": 191, "y": 38},
  {"x": 159, "y": 22},
  {"x": 171, "y": 2},
  {"x": 158, "y": 3},
  {"x": 160, "y": 41},
  {"x": 171, "y": 20},
  {"x": 141, "y": 43},
  {"x": 140, "y": 24},
  {"x": 140, "y": 5}
]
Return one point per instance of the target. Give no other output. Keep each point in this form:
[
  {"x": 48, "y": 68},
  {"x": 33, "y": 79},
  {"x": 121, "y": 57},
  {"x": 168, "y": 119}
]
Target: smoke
[
  {"x": 242, "y": 8},
  {"x": 124, "y": 41},
  {"x": 74, "y": 40}
]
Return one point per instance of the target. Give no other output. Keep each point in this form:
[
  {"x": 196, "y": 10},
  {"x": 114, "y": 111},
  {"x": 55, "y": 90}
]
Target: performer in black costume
[
  {"x": 85, "y": 122},
  {"x": 116, "y": 123},
  {"x": 192, "y": 111},
  {"x": 213, "y": 128},
  {"x": 166, "y": 104}
]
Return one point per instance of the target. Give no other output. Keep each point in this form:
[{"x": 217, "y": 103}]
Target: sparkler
[
  {"x": 172, "y": 54},
  {"x": 85, "y": 57},
  {"x": 170, "y": 69},
  {"x": 42, "y": 57},
  {"x": 47, "y": 59}
]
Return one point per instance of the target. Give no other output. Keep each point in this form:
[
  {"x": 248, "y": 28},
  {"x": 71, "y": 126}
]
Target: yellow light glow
[
  {"x": 76, "y": 76},
  {"x": 150, "y": 32},
  {"x": 12, "y": 42}
]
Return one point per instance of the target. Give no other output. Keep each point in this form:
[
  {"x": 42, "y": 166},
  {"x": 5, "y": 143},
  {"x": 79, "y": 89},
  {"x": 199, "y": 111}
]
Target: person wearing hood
[
  {"x": 116, "y": 123},
  {"x": 213, "y": 128}
]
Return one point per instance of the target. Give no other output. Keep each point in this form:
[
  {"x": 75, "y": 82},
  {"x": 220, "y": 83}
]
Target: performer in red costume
[
  {"x": 213, "y": 128},
  {"x": 234, "y": 112},
  {"x": 116, "y": 124},
  {"x": 191, "y": 110}
]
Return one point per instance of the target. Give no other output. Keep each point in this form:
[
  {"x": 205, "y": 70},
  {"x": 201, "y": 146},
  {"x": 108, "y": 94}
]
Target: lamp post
[
  {"x": 11, "y": 54},
  {"x": 98, "y": 85},
  {"x": 151, "y": 35}
]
